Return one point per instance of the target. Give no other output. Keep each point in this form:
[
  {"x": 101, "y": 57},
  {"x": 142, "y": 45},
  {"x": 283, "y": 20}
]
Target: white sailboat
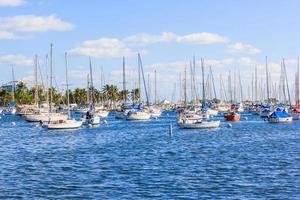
[
  {"x": 140, "y": 114},
  {"x": 188, "y": 120},
  {"x": 68, "y": 123},
  {"x": 91, "y": 118},
  {"x": 39, "y": 115}
]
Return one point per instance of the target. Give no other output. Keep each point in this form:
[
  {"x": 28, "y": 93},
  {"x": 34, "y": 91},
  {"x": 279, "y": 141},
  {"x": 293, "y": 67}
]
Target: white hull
[
  {"x": 11, "y": 111},
  {"x": 43, "y": 117},
  {"x": 94, "y": 121},
  {"x": 200, "y": 125},
  {"x": 223, "y": 109},
  {"x": 280, "y": 120},
  {"x": 102, "y": 113},
  {"x": 212, "y": 112},
  {"x": 138, "y": 115},
  {"x": 67, "y": 124},
  {"x": 81, "y": 111}
]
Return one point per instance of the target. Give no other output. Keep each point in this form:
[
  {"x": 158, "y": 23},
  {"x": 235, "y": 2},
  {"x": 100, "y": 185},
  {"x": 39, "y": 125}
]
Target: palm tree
[
  {"x": 111, "y": 93},
  {"x": 80, "y": 95},
  {"x": 22, "y": 94},
  {"x": 5, "y": 97},
  {"x": 135, "y": 94},
  {"x": 123, "y": 94}
]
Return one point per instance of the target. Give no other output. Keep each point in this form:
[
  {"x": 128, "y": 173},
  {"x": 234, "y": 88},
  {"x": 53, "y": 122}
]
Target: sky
[{"x": 229, "y": 35}]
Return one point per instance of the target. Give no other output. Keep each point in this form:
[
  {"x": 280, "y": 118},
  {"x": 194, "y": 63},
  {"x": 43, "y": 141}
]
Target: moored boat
[{"x": 232, "y": 116}]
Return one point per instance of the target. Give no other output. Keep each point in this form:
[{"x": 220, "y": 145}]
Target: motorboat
[{"x": 232, "y": 116}]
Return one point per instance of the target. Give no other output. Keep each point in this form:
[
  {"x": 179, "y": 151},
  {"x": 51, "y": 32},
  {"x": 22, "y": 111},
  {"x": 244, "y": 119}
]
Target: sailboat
[
  {"x": 61, "y": 123},
  {"x": 188, "y": 120},
  {"x": 44, "y": 117},
  {"x": 122, "y": 111},
  {"x": 12, "y": 106},
  {"x": 281, "y": 115},
  {"x": 296, "y": 108},
  {"x": 91, "y": 118},
  {"x": 139, "y": 113},
  {"x": 155, "y": 110},
  {"x": 232, "y": 114}
]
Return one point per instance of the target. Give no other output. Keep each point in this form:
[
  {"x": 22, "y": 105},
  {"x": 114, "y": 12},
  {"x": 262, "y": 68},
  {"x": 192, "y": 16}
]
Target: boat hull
[
  {"x": 200, "y": 125},
  {"x": 138, "y": 116},
  {"x": 280, "y": 120},
  {"x": 232, "y": 117},
  {"x": 69, "y": 124}
]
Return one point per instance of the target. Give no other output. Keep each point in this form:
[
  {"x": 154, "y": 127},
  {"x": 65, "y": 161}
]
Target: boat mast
[
  {"x": 185, "y": 97},
  {"x": 91, "y": 81},
  {"x": 213, "y": 82},
  {"x": 267, "y": 75},
  {"x": 36, "y": 95},
  {"x": 194, "y": 79},
  {"x": 255, "y": 83},
  {"x": 139, "y": 71},
  {"x": 67, "y": 85},
  {"x": 14, "y": 83},
  {"x": 124, "y": 82},
  {"x": 47, "y": 81},
  {"x": 149, "y": 93},
  {"x": 88, "y": 88},
  {"x": 297, "y": 86},
  {"x": 240, "y": 85},
  {"x": 229, "y": 86},
  {"x": 287, "y": 84},
  {"x": 203, "y": 86},
  {"x": 142, "y": 70},
  {"x": 51, "y": 68},
  {"x": 155, "y": 92}
]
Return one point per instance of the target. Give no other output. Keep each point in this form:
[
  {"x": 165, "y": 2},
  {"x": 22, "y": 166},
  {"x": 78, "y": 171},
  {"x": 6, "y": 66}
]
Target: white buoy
[
  {"x": 105, "y": 122},
  {"x": 170, "y": 129},
  {"x": 246, "y": 118},
  {"x": 13, "y": 123},
  {"x": 229, "y": 125}
]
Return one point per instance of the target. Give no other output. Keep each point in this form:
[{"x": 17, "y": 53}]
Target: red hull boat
[{"x": 232, "y": 116}]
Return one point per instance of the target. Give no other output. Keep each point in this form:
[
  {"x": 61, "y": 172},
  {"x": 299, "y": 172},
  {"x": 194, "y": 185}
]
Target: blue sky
[{"x": 228, "y": 34}]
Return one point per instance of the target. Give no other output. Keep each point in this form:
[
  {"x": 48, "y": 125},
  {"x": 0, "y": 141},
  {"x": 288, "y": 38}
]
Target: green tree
[
  {"x": 5, "y": 97},
  {"x": 135, "y": 94}
]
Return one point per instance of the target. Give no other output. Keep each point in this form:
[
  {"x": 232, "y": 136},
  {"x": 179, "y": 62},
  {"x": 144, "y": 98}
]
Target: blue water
[{"x": 139, "y": 160}]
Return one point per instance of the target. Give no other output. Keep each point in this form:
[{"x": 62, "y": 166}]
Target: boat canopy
[
  {"x": 206, "y": 105},
  {"x": 279, "y": 114},
  {"x": 135, "y": 107}
]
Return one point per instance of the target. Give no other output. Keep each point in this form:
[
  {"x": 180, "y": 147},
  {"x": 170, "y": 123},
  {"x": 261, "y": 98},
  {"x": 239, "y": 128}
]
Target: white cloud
[
  {"x": 11, "y": 2},
  {"x": 245, "y": 61},
  {"x": 11, "y": 27},
  {"x": 216, "y": 62},
  {"x": 15, "y": 59},
  {"x": 242, "y": 48},
  {"x": 103, "y": 47},
  {"x": 9, "y": 35},
  {"x": 34, "y": 23},
  {"x": 194, "y": 38}
]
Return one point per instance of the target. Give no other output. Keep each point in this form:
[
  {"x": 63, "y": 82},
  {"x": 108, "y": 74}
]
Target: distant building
[{"x": 10, "y": 86}]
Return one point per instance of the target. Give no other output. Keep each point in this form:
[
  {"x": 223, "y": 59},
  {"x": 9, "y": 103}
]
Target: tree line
[{"x": 109, "y": 95}]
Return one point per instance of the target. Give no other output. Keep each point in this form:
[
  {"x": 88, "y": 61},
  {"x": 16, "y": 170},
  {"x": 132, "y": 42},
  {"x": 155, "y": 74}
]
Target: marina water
[{"x": 139, "y": 160}]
